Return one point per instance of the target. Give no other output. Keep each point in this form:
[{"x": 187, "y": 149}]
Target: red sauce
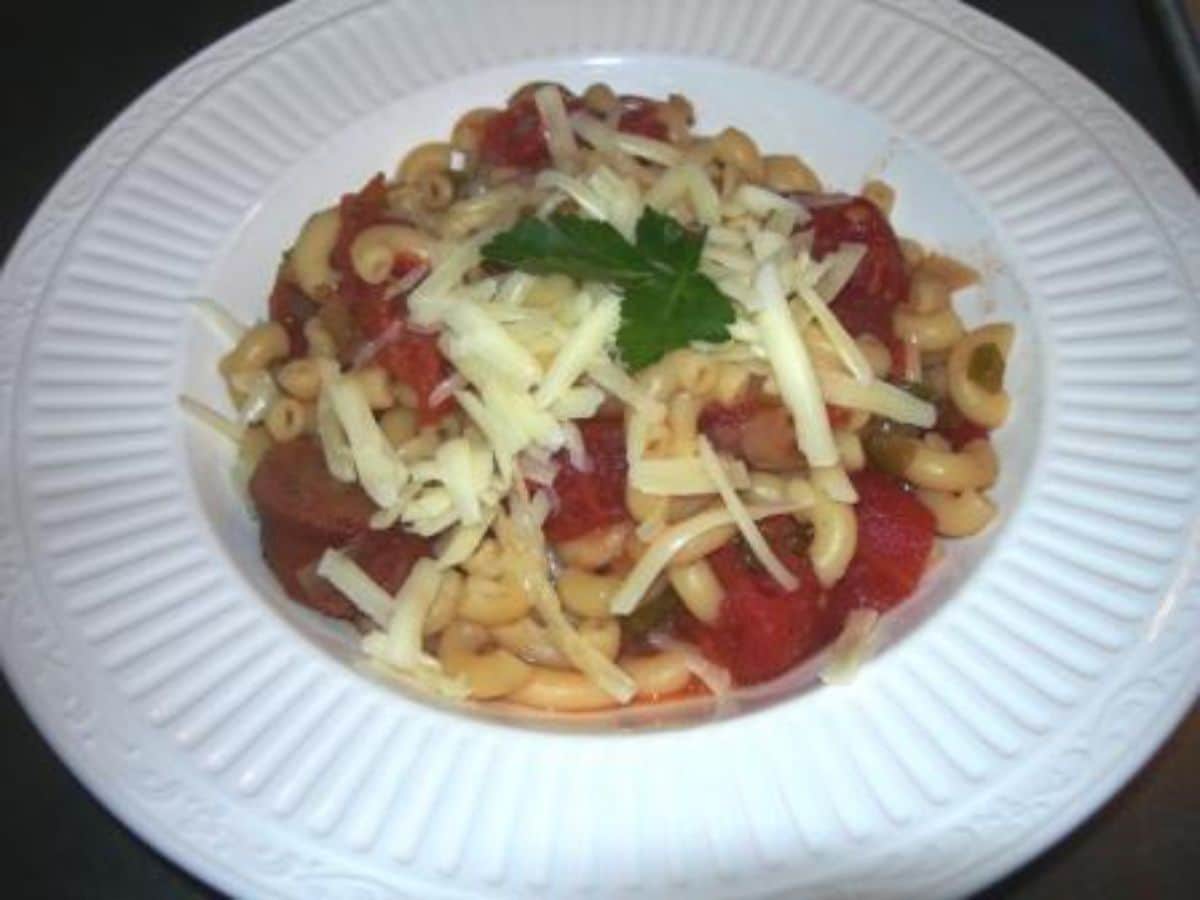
[
  {"x": 409, "y": 356},
  {"x": 357, "y": 212},
  {"x": 895, "y": 537},
  {"x": 865, "y": 304},
  {"x": 290, "y": 307},
  {"x": 640, "y": 116},
  {"x": 515, "y": 137},
  {"x": 762, "y": 629},
  {"x": 595, "y": 498}
]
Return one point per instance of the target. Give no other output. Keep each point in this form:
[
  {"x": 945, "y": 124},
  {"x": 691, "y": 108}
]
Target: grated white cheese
[
  {"x": 685, "y": 476},
  {"x": 647, "y": 148},
  {"x": 837, "y": 268},
  {"x": 793, "y": 371},
  {"x": 381, "y": 473},
  {"x": 847, "y": 349},
  {"x": 584, "y": 346},
  {"x": 221, "y": 318},
  {"x": 878, "y": 397},
  {"x": 206, "y": 415},
  {"x": 455, "y": 471},
  {"x": 560, "y": 139},
  {"x": 360, "y": 589},
  {"x": 521, "y": 536},
  {"x": 669, "y": 542},
  {"x": 762, "y": 202},
  {"x": 589, "y": 201},
  {"x": 260, "y": 392},
  {"x": 737, "y": 510},
  {"x": 463, "y": 541},
  {"x": 476, "y": 343},
  {"x": 433, "y": 296}
]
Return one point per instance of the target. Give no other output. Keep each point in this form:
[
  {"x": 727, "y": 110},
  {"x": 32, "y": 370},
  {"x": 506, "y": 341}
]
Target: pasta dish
[{"x": 581, "y": 408}]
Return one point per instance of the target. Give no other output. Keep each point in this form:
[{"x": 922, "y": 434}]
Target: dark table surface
[{"x": 67, "y": 71}]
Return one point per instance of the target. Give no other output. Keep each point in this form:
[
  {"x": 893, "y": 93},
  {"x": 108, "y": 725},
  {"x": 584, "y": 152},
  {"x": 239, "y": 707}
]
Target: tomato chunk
[
  {"x": 596, "y": 498},
  {"x": 895, "y": 537},
  {"x": 640, "y": 116},
  {"x": 411, "y": 357},
  {"x": 515, "y": 137},
  {"x": 357, "y": 212},
  {"x": 864, "y": 305},
  {"x": 762, "y": 629},
  {"x": 290, "y": 307}
]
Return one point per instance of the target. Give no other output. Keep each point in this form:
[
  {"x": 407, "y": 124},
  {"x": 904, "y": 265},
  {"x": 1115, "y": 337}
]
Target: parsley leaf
[{"x": 666, "y": 302}]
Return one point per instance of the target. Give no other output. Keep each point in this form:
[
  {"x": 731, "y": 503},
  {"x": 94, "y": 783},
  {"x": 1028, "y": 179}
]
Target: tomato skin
[
  {"x": 895, "y": 538},
  {"x": 640, "y": 116},
  {"x": 289, "y": 306},
  {"x": 409, "y": 356},
  {"x": 864, "y": 305},
  {"x": 762, "y": 629},
  {"x": 357, "y": 212},
  {"x": 594, "y": 499},
  {"x": 515, "y": 137}
]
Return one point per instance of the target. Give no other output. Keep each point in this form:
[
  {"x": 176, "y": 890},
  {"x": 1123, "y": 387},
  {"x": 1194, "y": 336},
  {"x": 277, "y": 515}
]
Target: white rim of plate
[{"x": 1027, "y": 740}]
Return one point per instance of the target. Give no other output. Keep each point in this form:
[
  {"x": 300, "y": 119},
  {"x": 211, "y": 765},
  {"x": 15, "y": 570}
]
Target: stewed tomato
[
  {"x": 895, "y": 537},
  {"x": 762, "y": 629},
  {"x": 587, "y": 500},
  {"x": 865, "y": 304}
]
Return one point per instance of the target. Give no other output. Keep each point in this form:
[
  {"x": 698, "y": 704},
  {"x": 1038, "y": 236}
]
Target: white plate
[{"x": 1034, "y": 674}]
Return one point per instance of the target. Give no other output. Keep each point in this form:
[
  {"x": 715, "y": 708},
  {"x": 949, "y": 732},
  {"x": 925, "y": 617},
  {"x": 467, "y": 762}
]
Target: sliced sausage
[{"x": 293, "y": 488}]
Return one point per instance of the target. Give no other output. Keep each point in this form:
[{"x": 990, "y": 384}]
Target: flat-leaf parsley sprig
[{"x": 666, "y": 302}]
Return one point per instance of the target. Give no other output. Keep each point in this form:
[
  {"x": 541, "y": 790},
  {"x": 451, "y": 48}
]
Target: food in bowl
[{"x": 581, "y": 408}]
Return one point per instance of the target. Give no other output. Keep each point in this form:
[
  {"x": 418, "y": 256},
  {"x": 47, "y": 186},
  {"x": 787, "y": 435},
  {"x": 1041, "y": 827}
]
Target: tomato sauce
[
  {"x": 640, "y": 116},
  {"x": 291, "y": 308},
  {"x": 595, "y": 498},
  {"x": 895, "y": 538},
  {"x": 865, "y": 304},
  {"x": 763, "y": 629}
]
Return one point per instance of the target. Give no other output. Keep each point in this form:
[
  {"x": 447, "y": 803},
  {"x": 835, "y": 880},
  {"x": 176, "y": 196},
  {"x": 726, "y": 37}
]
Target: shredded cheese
[
  {"x": 685, "y": 476},
  {"x": 206, "y": 415},
  {"x": 647, "y": 148},
  {"x": 581, "y": 350},
  {"x": 737, "y": 510},
  {"x": 477, "y": 344},
  {"x": 260, "y": 393},
  {"x": 846, "y": 347},
  {"x": 793, "y": 370},
  {"x": 669, "y": 542},
  {"x": 380, "y": 471},
  {"x": 360, "y": 589},
  {"x": 589, "y": 201},
  {"x": 521, "y": 535},
  {"x": 436, "y": 294},
  {"x": 221, "y": 319},
  {"x": 560, "y": 139},
  {"x": 878, "y": 397}
]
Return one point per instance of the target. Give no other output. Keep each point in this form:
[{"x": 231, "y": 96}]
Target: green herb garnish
[{"x": 666, "y": 303}]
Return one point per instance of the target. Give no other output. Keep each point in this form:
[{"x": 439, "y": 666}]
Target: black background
[{"x": 66, "y": 70}]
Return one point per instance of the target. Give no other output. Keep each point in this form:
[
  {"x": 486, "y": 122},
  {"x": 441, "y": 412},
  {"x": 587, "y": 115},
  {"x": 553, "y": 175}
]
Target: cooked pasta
[{"x": 584, "y": 406}]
